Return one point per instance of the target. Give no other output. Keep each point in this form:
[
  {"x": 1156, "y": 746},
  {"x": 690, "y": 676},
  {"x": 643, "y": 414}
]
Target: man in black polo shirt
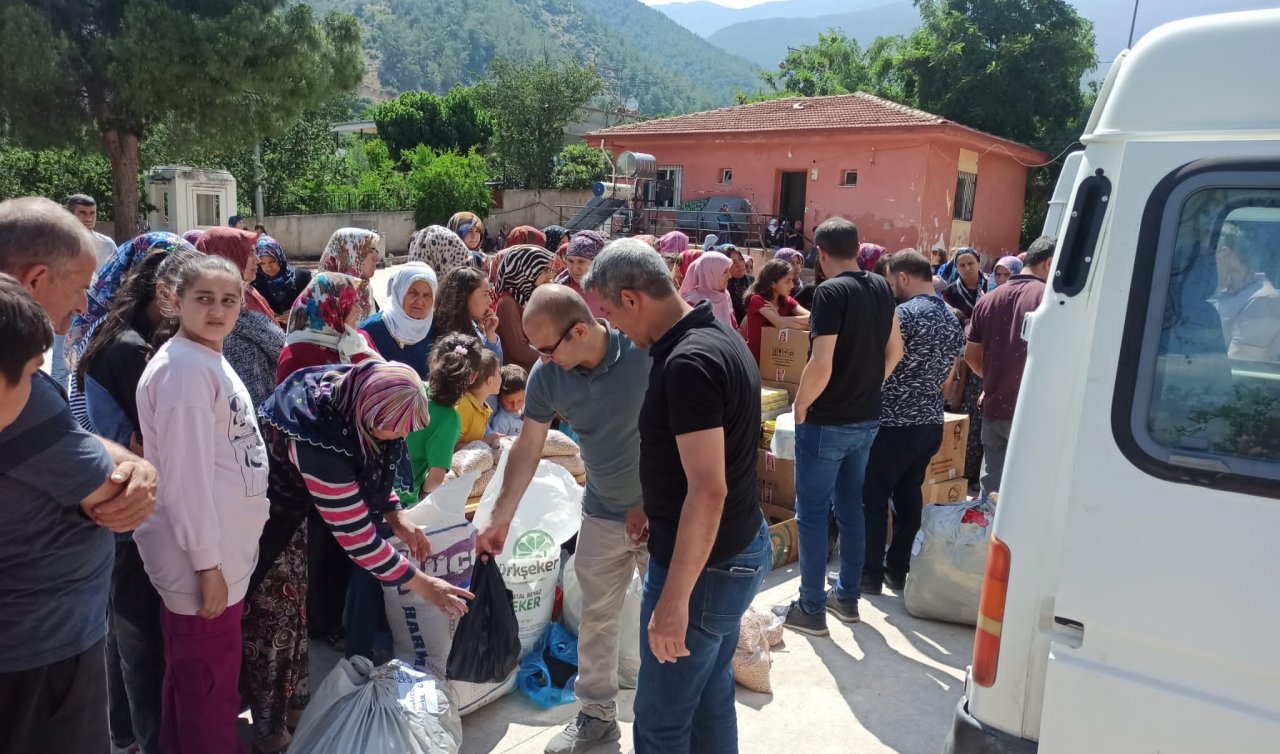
[
  {"x": 708, "y": 542},
  {"x": 854, "y": 346}
]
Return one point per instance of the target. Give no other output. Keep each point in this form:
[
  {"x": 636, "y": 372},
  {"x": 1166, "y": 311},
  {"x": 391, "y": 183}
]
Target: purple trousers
[{"x": 201, "y": 697}]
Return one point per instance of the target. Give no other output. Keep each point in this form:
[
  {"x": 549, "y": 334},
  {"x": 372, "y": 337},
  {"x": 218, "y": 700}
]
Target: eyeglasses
[{"x": 549, "y": 352}]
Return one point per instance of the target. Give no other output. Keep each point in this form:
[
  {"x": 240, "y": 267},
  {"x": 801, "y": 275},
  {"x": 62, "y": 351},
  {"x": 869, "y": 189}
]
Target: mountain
[
  {"x": 763, "y": 32},
  {"x": 435, "y": 44}
]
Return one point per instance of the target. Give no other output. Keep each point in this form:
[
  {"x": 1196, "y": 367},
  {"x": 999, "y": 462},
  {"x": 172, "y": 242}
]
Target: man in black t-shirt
[
  {"x": 854, "y": 345},
  {"x": 708, "y": 542}
]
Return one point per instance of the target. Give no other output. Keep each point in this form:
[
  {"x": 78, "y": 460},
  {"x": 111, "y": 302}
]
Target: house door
[{"x": 791, "y": 198}]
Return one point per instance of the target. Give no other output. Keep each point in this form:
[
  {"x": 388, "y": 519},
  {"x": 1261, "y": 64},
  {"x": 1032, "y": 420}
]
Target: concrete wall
[
  {"x": 304, "y": 236},
  {"x": 536, "y": 208}
]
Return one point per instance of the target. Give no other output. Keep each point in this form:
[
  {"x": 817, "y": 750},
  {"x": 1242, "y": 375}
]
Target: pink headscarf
[
  {"x": 868, "y": 255},
  {"x": 701, "y": 281},
  {"x": 674, "y": 242}
]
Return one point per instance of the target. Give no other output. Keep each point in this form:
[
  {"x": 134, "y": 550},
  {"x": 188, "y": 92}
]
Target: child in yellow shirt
[{"x": 473, "y": 410}]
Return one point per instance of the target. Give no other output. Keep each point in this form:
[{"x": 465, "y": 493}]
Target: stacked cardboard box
[
  {"x": 944, "y": 480},
  {"x": 783, "y": 354}
]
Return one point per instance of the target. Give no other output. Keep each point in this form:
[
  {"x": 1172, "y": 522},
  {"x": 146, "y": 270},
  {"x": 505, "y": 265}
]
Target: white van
[{"x": 1132, "y": 595}]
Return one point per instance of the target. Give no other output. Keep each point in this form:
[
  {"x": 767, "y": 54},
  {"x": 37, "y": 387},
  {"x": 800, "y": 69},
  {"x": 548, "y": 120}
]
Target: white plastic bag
[
  {"x": 549, "y": 514},
  {"x": 628, "y": 627},
  {"x": 783, "y": 444},
  {"x": 948, "y": 562},
  {"x": 360, "y": 709}
]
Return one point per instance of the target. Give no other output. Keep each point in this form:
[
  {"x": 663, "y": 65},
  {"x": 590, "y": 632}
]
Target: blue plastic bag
[{"x": 550, "y": 672}]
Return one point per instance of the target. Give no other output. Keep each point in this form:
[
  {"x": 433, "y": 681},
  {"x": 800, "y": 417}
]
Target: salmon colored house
[{"x": 906, "y": 177}]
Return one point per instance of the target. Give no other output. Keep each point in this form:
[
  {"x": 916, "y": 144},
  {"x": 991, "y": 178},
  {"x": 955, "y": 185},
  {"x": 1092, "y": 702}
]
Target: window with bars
[{"x": 966, "y": 190}]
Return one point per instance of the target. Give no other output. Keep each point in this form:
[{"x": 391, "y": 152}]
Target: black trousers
[
  {"x": 134, "y": 628},
  {"x": 58, "y": 708},
  {"x": 896, "y": 469}
]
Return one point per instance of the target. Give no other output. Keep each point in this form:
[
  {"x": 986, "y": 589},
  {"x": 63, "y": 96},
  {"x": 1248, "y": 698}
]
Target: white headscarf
[{"x": 405, "y": 329}]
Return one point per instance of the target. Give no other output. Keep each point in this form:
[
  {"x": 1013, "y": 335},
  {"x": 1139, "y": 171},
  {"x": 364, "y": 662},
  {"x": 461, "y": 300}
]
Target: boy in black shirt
[
  {"x": 854, "y": 346},
  {"x": 708, "y": 542}
]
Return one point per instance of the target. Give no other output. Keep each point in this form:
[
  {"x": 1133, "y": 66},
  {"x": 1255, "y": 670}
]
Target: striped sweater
[{"x": 336, "y": 495}]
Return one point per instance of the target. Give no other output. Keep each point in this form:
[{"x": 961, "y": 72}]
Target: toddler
[{"x": 509, "y": 417}]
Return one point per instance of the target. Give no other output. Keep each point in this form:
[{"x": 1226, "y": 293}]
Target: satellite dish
[{"x": 632, "y": 103}]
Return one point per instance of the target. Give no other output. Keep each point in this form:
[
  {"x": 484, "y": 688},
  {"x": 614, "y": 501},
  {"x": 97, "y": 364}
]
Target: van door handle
[
  {"x": 1068, "y": 631},
  {"x": 1078, "y": 248}
]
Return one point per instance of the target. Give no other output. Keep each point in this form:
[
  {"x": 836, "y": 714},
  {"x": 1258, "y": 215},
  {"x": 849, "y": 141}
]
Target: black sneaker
[
  {"x": 814, "y": 624},
  {"x": 845, "y": 610},
  {"x": 895, "y": 581},
  {"x": 870, "y": 584}
]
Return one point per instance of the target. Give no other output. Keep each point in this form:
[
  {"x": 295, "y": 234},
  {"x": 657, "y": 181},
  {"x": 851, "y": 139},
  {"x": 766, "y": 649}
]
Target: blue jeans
[
  {"x": 133, "y": 629},
  {"x": 687, "y": 706},
  {"x": 831, "y": 464}
]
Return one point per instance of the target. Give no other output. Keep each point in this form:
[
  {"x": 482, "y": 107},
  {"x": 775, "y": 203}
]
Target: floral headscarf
[
  {"x": 463, "y": 222},
  {"x": 700, "y": 285},
  {"x": 554, "y": 235},
  {"x": 192, "y": 236},
  {"x": 440, "y": 249},
  {"x": 523, "y": 235},
  {"x": 519, "y": 271},
  {"x": 319, "y": 316},
  {"x": 793, "y": 258},
  {"x": 237, "y": 246},
  {"x": 108, "y": 280},
  {"x": 1010, "y": 263},
  {"x": 586, "y": 244},
  {"x": 346, "y": 251},
  {"x": 868, "y": 255},
  {"x": 286, "y": 280},
  {"x": 674, "y": 242},
  {"x": 651, "y": 240}
]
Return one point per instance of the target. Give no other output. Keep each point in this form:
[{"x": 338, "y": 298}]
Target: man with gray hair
[
  {"x": 708, "y": 542},
  {"x": 594, "y": 377},
  {"x": 65, "y": 491}
]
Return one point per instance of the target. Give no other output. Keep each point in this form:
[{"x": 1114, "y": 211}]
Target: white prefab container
[
  {"x": 183, "y": 198},
  {"x": 1130, "y": 601}
]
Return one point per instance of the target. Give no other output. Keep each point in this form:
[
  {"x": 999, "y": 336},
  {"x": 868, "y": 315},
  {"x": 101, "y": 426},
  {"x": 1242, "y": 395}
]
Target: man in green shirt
[{"x": 593, "y": 377}]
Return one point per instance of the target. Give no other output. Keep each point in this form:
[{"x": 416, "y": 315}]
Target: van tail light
[{"x": 995, "y": 587}]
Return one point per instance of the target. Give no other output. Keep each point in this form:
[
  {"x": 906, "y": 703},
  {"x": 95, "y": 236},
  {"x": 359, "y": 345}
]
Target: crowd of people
[{"x": 215, "y": 468}]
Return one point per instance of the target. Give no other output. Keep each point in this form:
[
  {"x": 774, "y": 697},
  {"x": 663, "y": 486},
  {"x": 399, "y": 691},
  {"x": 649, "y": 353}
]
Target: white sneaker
[{"x": 582, "y": 734}]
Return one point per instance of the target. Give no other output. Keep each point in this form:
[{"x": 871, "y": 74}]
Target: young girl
[
  {"x": 770, "y": 301},
  {"x": 508, "y": 420},
  {"x": 454, "y": 360},
  {"x": 466, "y": 306},
  {"x": 473, "y": 409},
  {"x": 201, "y": 545},
  {"x": 708, "y": 280}
]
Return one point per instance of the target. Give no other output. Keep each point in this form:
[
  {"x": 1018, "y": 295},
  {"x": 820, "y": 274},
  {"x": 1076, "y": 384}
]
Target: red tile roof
[{"x": 843, "y": 111}]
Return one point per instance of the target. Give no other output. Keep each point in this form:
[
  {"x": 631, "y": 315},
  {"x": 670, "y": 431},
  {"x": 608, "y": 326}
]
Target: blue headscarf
[{"x": 284, "y": 286}]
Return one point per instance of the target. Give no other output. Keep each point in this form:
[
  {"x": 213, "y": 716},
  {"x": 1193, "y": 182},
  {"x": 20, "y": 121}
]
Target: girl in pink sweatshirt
[{"x": 201, "y": 545}]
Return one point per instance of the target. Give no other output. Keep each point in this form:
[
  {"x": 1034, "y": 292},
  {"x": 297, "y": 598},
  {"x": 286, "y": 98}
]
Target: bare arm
[
  {"x": 522, "y": 462},
  {"x": 973, "y": 357},
  {"x": 435, "y": 478},
  {"x": 893, "y": 349},
  {"x": 817, "y": 373},
  {"x": 785, "y": 323},
  {"x": 702, "y": 457}
]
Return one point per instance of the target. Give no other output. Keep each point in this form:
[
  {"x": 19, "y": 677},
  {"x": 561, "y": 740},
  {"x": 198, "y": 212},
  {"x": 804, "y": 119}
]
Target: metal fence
[
  {"x": 749, "y": 229},
  {"x": 342, "y": 201}
]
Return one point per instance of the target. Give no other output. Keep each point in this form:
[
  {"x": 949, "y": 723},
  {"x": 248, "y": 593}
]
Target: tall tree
[
  {"x": 215, "y": 74},
  {"x": 531, "y": 105},
  {"x": 413, "y": 119}
]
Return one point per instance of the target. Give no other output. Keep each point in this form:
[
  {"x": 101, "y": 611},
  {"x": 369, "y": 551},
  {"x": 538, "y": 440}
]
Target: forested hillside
[{"x": 434, "y": 44}]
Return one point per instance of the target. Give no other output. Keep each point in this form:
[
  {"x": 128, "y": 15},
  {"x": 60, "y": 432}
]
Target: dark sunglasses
[{"x": 549, "y": 352}]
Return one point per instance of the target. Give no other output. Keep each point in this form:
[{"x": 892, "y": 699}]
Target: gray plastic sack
[
  {"x": 948, "y": 562},
  {"x": 360, "y": 709}
]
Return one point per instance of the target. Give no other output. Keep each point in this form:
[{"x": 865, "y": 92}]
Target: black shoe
[
  {"x": 814, "y": 624},
  {"x": 845, "y": 610},
  {"x": 869, "y": 584},
  {"x": 895, "y": 581}
]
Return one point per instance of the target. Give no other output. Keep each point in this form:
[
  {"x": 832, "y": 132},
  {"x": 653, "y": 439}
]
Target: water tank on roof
[{"x": 637, "y": 165}]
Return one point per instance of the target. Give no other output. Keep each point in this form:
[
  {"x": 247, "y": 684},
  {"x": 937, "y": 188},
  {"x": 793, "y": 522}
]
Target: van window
[{"x": 1208, "y": 392}]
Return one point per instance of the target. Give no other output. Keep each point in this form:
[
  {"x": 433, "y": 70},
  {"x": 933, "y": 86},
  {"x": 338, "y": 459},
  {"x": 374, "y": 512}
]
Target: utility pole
[
  {"x": 257, "y": 182},
  {"x": 1132, "y": 23}
]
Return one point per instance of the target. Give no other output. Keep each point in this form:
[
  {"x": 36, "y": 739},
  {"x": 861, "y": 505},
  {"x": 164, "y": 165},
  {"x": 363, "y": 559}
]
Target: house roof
[{"x": 839, "y": 111}]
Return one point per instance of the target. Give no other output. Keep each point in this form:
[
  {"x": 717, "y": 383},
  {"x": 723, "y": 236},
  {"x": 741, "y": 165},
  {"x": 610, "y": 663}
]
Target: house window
[
  {"x": 726, "y": 176},
  {"x": 664, "y": 189},
  {"x": 208, "y": 210},
  {"x": 850, "y": 179},
  {"x": 966, "y": 189}
]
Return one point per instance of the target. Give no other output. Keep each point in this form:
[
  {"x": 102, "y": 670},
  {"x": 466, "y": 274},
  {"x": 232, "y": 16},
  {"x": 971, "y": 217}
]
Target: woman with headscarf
[
  {"x": 523, "y": 235},
  {"x": 354, "y": 252},
  {"x": 335, "y": 436},
  {"x": 240, "y": 247},
  {"x": 470, "y": 228},
  {"x": 192, "y": 236},
  {"x": 583, "y": 249},
  {"x": 440, "y": 249},
  {"x": 523, "y": 269},
  {"x": 970, "y": 284},
  {"x": 674, "y": 242},
  {"x": 279, "y": 282},
  {"x": 869, "y": 255},
  {"x": 651, "y": 240},
  {"x": 965, "y": 388},
  {"x": 796, "y": 260},
  {"x": 708, "y": 280},
  {"x": 710, "y": 242},
  {"x": 555, "y": 235},
  {"x": 739, "y": 281},
  {"x": 1006, "y": 268},
  {"x": 322, "y": 327},
  {"x": 403, "y": 331}
]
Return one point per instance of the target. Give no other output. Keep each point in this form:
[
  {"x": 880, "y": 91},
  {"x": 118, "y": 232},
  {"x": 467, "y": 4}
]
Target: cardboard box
[
  {"x": 953, "y": 491},
  {"x": 783, "y": 534},
  {"x": 783, "y": 354},
  {"x": 777, "y": 480},
  {"x": 948, "y": 462}
]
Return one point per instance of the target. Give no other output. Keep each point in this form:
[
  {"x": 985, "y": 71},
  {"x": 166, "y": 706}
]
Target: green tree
[
  {"x": 420, "y": 118},
  {"x": 446, "y": 183},
  {"x": 231, "y": 72},
  {"x": 579, "y": 166},
  {"x": 531, "y": 105}
]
